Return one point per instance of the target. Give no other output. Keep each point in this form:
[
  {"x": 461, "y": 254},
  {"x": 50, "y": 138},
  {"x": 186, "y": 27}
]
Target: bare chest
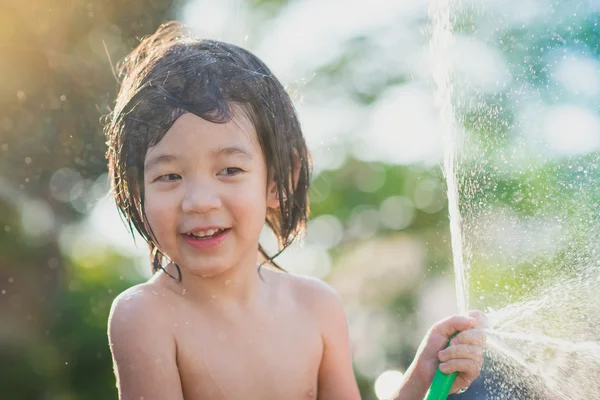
[{"x": 274, "y": 359}]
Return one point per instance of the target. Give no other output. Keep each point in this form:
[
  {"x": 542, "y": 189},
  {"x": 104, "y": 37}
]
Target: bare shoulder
[
  {"x": 139, "y": 313},
  {"x": 142, "y": 343},
  {"x": 313, "y": 289},
  {"x": 312, "y": 292},
  {"x": 336, "y": 377},
  {"x": 137, "y": 303}
]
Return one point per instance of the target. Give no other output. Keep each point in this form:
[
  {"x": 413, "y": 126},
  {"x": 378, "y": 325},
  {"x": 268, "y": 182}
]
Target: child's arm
[
  {"x": 336, "y": 379},
  {"x": 143, "y": 348},
  {"x": 465, "y": 355}
]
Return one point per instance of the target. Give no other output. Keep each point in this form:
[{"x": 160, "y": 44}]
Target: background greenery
[{"x": 394, "y": 274}]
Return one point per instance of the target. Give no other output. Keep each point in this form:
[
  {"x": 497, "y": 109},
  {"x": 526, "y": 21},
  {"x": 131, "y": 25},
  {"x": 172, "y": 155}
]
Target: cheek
[
  {"x": 250, "y": 205},
  {"x": 159, "y": 213}
]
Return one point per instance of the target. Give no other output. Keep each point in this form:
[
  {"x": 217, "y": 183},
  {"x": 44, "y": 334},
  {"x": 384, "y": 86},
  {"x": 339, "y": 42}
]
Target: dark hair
[{"x": 171, "y": 73}]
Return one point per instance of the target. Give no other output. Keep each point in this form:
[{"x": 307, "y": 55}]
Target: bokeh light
[
  {"x": 523, "y": 83},
  {"x": 387, "y": 384}
]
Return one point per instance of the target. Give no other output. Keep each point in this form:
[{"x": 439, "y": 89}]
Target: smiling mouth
[{"x": 207, "y": 235}]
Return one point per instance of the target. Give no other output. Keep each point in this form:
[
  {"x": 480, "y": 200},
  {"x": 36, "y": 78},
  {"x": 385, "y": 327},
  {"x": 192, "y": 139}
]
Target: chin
[{"x": 208, "y": 271}]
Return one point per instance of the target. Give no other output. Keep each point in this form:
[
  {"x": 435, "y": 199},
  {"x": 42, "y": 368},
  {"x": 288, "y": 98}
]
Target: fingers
[
  {"x": 462, "y": 351},
  {"x": 470, "y": 336},
  {"x": 466, "y": 359},
  {"x": 449, "y": 326},
  {"x": 469, "y": 369},
  {"x": 480, "y": 317},
  {"x": 465, "y": 353}
]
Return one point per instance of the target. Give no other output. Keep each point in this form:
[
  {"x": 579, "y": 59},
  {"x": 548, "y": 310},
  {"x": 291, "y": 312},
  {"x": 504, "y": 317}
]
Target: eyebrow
[
  {"x": 152, "y": 162},
  {"x": 160, "y": 159},
  {"x": 230, "y": 151}
]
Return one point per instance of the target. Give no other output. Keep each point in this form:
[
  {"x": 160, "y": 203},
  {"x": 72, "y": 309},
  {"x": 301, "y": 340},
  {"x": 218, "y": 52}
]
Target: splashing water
[
  {"x": 547, "y": 344},
  {"x": 441, "y": 39}
]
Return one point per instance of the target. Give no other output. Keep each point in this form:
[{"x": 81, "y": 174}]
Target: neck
[{"x": 239, "y": 285}]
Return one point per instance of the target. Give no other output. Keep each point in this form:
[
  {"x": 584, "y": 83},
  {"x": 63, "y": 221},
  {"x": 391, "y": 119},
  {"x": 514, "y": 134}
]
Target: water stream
[{"x": 545, "y": 342}]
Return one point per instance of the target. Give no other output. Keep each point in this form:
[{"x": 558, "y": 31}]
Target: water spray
[{"x": 441, "y": 39}]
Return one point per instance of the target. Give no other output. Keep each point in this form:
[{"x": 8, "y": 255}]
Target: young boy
[{"x": 204, "y": 149}]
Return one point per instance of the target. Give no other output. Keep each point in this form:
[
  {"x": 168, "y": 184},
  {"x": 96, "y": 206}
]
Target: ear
[
  {"x": 297, "y": 166},
  {"x": 272, "y": 194}
]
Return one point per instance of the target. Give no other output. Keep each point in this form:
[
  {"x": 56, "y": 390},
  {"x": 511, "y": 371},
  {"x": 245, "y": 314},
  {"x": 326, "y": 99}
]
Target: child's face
[{"x": 211, "y": 180}]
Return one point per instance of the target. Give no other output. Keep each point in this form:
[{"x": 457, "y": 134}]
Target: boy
[{"x": 204, "y": 149}]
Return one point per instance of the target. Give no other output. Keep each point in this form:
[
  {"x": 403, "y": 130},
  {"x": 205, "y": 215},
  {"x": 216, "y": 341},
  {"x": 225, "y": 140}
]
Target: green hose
[
  {"x": 440, "y": 386},
  {"x": 441, "y": 383}
]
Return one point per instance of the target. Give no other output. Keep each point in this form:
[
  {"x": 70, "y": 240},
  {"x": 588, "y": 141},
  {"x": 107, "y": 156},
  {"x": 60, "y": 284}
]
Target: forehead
[{"x": 194, "y": 135}]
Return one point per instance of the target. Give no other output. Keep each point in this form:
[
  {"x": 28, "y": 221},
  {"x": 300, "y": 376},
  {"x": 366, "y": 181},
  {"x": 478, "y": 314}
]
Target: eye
[
  {"x": 168, "y": 177},
  {"x": 230, "y": 171}
]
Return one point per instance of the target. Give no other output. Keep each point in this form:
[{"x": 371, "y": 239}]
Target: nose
[{"x": 200, "y": 197}]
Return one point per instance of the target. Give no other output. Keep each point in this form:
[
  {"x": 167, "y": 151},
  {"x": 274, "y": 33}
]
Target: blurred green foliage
[{"x": 56, "y": 83}]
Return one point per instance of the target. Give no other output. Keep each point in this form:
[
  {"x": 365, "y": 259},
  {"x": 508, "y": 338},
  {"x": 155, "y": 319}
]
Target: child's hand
[{"x": 464, "y": 355}]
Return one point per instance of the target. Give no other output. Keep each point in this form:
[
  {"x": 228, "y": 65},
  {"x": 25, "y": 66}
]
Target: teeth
[{"x": 202, "y": 234}]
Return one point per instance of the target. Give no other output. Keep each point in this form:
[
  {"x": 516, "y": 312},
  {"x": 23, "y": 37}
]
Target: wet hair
[{"x": 171, "y": 73}]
